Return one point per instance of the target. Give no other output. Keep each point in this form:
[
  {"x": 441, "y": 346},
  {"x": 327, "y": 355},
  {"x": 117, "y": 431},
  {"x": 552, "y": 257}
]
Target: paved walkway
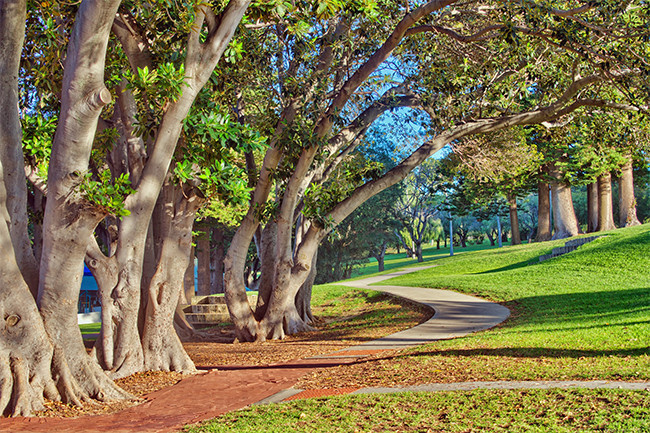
[{"x": 216, "y": 392}]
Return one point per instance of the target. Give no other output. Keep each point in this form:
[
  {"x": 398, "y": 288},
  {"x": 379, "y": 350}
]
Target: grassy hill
[{"x": 585, "y": 315}]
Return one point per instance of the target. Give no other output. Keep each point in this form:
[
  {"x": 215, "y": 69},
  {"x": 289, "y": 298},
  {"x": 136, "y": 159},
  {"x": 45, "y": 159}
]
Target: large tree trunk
[
  {"x": 627, "y": 201},
  {"x": 216, "y": 260},
  {"x": 303, "y": 298},
  {"x": 162, "y": 347},
  {"x": 564, "y": 217},
  {"x": 381, "y": 254},
  {"x": 27, "y": 370},
  {"x": 543, "y": 212},
  {"x": 605, "y": 207},
  {"x": 203, "y": 258},
  {"x": 69, "y": 219},
  {"x": 592, "y": 207},
  {"x": 514, "y": 220},
  {"x": 12, "y": 32}
]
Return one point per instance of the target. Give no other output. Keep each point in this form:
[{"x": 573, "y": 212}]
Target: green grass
[
  {"x": 592, "y": 302},
  {"x": 492, "y": 411},
  {"x": 584, "y": 315},
  {"x": 397, "y": 261},
  {"x": 91, "y": 328}
]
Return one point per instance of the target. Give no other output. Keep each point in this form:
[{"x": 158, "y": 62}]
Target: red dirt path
[{"x": 192, "y": 400}]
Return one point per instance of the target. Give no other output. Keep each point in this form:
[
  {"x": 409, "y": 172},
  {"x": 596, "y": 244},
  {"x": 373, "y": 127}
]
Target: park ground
[{"x": 582, "y": 316}]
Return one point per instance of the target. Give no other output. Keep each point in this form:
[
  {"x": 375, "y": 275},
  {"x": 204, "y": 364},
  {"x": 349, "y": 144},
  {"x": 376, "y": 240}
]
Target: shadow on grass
[
  {"x": 533, "y": 352},
  {"x": 511, "y": 266},
  {"x": 579, "y": 307}
]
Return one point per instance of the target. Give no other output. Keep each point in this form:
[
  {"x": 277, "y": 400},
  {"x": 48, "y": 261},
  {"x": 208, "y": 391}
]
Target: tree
[
  {"x": 77, "y": 202},
  {"x": 333, "y": 126},
  {"x": 417, "y": 206}
]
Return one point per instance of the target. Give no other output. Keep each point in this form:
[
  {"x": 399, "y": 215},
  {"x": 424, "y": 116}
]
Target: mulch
[{"x": 232, "y": 376}]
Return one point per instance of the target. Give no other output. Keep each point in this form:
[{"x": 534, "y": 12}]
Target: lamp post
[
  {"x": 499, "y": 230},
  {"x": 451, "y": 236}
]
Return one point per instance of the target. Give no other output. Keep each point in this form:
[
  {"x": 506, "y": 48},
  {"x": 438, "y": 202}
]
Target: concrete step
[
  {"x": 580, "y": 241},
  {"x": 210, "y": 310},
  {"x": 218, "y": 299},
  {"x": 207, "y": 319},
  {"x": 568, "y": 247}
]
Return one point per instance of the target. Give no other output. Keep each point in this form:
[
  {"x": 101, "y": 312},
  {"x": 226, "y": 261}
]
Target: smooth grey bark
[
  {"x": 69, "y": 219},
  {"x": 203, "y": 258},
  {"x": 303, "y": 298},
  {"x": 627, "y": 201},
  {"x": 564, "y": 217},
  {"x": 12, "y": 32},
  {"x": 122, "y": 347},
  {"x": 514, "y": 220},
  {"x": 605, "y": 207},
  {"x": 592, "y": 207},
  {"x": 162, "y": 348},
  {"x": 268, "y": 262},
  {"x": 27, "y": 367},
  {"x": 27, "y": 370},
  {"x": 217, "y": 254},
  {"x": 543, "y": 212}
]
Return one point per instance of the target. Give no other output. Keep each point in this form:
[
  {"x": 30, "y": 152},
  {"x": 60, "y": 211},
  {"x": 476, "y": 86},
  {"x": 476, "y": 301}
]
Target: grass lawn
[
  {"x": 91, "y": 328},
  {"x": 493, "y": 411},
  {"x": 397, "y": 261},
  {"x": 585, "y": 315}
]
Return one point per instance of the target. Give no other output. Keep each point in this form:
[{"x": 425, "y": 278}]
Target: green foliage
[
  {"x": 161, "y": 86},
  {"x": 355, "y": 171},
  {"x": 38, "y": 133},
  {"x": 106, "y": 193}
]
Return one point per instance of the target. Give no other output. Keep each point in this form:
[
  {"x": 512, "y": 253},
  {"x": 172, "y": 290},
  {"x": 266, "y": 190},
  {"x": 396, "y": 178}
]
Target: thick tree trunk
[
  {"x": 592, "y": 207},
  {"x": 188, "y": 280},
  {"x": 381, "y": 254},
  {"x": 514, "y": 220},
  {"x": 27, "y": 370},
  {"x": 26, "y": 351},
  {"x": 543, "y": 212},
  {"x": 162, "y": 348},
  {"x": 605, "y": 207},
  {"x": 564, "y": 217},
  {"x": 627, "y": 201},
  {"x": 69, "y": 220},
  {"x": 268, "y": 261},
  {"x": 418, "y": 251},
  {"x": 203, "y": 258},
  {"x": 216, "y": 260},
  {"x": 12, "y": 32},
  {"x": 303, "y": 298}
]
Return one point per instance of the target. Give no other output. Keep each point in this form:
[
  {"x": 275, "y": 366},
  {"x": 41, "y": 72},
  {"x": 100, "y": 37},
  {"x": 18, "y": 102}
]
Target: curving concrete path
[{"x": 456, "y": 315}]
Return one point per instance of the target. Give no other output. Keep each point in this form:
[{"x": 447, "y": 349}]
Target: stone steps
[
  {"x": 568, "y": 247},
  {"x": 204, "y": 311}
]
